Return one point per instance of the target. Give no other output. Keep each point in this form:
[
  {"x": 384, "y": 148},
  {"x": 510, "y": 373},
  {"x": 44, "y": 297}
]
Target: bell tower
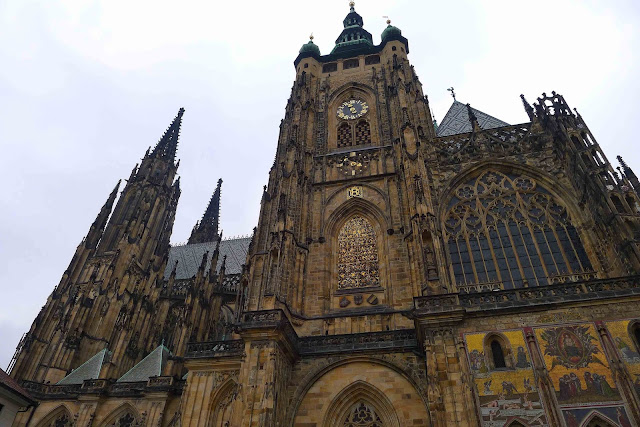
[
  {"x": 346, "y": 237},
  {"x": 349, "y": 179}
]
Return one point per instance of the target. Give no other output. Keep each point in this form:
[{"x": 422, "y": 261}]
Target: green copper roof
[
  {"x": 89, "y": 370},
  {"x": 354, "y": 35},
  {"x": 311, "y": 48},
  {"x": 150, "y": 366},
  {"x": 390, "y": 31}
]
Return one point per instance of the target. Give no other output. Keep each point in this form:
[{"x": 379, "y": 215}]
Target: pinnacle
[
  {"x": 168, "y": 144},
  {"x": 206, "y": 230}
]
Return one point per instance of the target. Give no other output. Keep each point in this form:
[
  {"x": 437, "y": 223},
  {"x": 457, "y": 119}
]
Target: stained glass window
[
  {"x": 362, "y": 416},
  {"x": 357, "y": 255},
  {"x": 508, "y": 229}
]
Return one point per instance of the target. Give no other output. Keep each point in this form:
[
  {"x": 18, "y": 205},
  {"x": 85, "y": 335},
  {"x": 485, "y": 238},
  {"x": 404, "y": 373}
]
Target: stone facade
[{"x": 399, "y": 275}]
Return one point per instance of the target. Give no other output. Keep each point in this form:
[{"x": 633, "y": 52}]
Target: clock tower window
[
  {"x": 345, "y": 136},
  {"x": 363, "y": 133}
]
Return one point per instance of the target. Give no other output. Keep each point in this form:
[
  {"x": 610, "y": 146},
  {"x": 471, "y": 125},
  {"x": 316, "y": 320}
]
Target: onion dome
[
  {"x": 310, "y": 49},
  {"x": 353, "y": 38},
  {"x": 390, "y": 32}
]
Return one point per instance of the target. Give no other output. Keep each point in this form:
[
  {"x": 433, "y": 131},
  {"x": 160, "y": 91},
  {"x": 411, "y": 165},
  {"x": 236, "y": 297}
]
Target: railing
[
  {"x": 101, "y": 386},
  {"x": 39, "y": 390},
  {"x": 215, "y": 349},
  {"x": 531, "y": 296},
  {"x": 391, "y": 340}
]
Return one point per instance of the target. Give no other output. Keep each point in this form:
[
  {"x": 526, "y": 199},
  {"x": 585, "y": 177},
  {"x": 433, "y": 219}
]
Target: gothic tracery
[
  {"x": 362, "y": 416},
  {"x": 507, "y": 229},
  {"x": 357, "y": 255}
]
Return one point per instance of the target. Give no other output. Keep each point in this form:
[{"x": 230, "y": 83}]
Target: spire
[
  {"x": 354, "y": 37},
  {"x": 95, "y": 232},
  {"x": 168, "y": 144},
  {"x": 631, "y": 176},
  {"x": 528, "y": 108},
  {"x": 206, "y": 230}
]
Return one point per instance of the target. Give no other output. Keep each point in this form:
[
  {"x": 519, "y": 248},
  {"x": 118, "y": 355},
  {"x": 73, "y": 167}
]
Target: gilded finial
[
  {"x": 311, "y": 37},
  {"x": 352, "y": 4},
  {"x": 388, "y": 20}
]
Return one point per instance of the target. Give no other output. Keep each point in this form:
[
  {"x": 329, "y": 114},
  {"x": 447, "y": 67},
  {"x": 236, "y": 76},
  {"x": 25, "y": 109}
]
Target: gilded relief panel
[{"x": 505, "y": 394}]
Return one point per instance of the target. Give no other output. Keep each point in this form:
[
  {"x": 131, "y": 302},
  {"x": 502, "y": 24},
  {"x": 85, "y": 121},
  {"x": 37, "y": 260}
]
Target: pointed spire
[
  {"x": 206, "y": 230},
  {"x": 528, "y": 108},
  {"x": 168, "y": 144},
  {"x": 213, "y": 268},
  {"x": 95, "y": 232},
  {"x": 631, "y": 176}
]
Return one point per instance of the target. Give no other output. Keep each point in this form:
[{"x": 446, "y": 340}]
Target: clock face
[{"x": 352, "y": 109}]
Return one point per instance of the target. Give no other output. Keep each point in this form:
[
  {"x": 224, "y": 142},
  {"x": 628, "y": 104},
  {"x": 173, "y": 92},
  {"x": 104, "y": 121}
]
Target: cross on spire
[{"x": 452, "y": 92}]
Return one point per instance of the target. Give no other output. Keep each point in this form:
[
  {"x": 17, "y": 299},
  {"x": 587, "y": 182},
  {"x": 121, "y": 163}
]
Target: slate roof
[
  {"x": 150, "y": 366},
  {"x": 89, "y": 370},
  {"x": 14, "y": 388},
  {"x": 457, "y": 120},
  {"x": 189, "y": 257}
]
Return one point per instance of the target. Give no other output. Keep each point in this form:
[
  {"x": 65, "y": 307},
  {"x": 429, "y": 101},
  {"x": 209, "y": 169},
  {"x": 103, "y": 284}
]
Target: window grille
[
  {"x": 344, "y": 135},
  {"x": 363, "y": 133}
]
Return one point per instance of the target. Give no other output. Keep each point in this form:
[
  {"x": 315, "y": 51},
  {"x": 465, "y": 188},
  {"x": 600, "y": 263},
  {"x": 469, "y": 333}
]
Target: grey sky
[{"x": 86, "y": 86}]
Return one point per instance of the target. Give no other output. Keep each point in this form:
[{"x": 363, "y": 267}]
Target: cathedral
[{"x": 402, "y": 273}]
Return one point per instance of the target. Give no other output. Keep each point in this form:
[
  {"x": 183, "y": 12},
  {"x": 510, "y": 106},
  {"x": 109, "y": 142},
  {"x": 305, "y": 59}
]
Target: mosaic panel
[
  {"x": 506, "y": 394},
  {"x": 357, "y": 255},
  {"x": 577, "y": 365},
  {"x": 624, "y": 341}
]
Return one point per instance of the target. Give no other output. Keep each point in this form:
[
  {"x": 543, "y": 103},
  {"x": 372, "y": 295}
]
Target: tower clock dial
[{"x": 352, "y": 109}]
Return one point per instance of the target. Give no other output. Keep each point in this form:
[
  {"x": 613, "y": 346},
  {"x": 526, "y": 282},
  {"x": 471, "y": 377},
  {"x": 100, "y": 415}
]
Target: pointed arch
[
  {"x": 126, "y": 415},
  {"x": 497, "y": 349},
  {"x": 357, "y": 227},
  {"x": 357, "y": 398},
  {"x": 221, "y": 403},
  {"x": 59, "y": 417},
  {"x": 597, "y": 419},
  {"x": 507, "y": 227},
  {"x": 356, "y": 205}
]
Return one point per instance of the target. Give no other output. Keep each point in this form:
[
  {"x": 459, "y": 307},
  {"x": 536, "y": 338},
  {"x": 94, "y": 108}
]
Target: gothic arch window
[
  {"x": 498, "y": 351},
  {"x": 58, "y": 418},
  {"x": 498, "y": 355},
  {"x": 357, "y": 255},
  {"x": 363, "y": 133},
  {"x": 507, "y": 229},
  {"x": 124, "y": 417},
  {"x": 345, "y": 137}
]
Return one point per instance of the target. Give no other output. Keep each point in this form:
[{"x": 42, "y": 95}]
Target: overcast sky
[{"x": 86, "y": 86}]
